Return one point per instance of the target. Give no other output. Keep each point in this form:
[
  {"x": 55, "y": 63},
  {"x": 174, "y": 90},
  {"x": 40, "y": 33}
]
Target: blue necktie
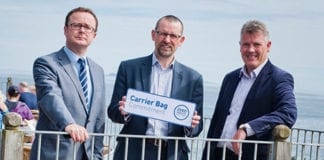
[{"x": 84, "y": 79}]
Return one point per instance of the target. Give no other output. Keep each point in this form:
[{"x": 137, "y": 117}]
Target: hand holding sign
[{"x": 160, "y": 107}]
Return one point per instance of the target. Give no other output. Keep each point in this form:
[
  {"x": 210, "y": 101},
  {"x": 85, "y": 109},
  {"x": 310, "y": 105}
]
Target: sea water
[{"x": 310, "y": 106}]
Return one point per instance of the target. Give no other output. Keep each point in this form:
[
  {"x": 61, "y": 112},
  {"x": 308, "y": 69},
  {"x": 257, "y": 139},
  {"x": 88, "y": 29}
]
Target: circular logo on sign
[{"x": 181, "y": 112}]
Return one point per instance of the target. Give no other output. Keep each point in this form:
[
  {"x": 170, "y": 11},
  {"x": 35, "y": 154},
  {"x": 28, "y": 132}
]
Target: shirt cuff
[{"x": 248, "y": 129}]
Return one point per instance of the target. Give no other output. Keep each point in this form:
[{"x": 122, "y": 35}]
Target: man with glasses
[
  {"x": 70, "y": 89},
  {"x": 159, "y": 73}
]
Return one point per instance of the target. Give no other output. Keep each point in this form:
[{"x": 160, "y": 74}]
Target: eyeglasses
[
  {"x": 164, "y": 35},
  {"x": 78, "y": 26}
]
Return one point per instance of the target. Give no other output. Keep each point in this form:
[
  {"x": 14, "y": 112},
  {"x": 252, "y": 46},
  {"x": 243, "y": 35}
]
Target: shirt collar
[
  {"x": 255, "y": 72},
  {"x": 72, "y": 56},
  {"x": 155, "y": 62}
]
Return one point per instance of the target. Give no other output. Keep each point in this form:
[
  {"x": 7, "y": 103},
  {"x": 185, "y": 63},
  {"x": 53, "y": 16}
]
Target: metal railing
[
  {"x": 305, "y": 144},
  {"x": 196, "y": 145}
]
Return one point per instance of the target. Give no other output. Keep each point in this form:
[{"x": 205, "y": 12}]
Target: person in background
[
  {"x": 252, "y": 100},
  {"x": 14, "y": 105},
  {"x": 32, "y": 89},
  {"x": 70, "y": 89},
  {"x": 3, "y": 108},
  {"x": 159, "y": 73},
  {"x": 26, "y": 96}
]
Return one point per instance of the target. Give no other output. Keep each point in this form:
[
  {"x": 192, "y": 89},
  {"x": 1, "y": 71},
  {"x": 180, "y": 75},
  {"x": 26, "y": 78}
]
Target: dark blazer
[
  {"x": 270, "y": 102},
  {"x": 187, "y": 85},
  {"x": 61, "y": 102}
]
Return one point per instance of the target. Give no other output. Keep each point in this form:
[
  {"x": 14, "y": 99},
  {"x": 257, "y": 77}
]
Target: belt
[{"x": 156, "y": 142}]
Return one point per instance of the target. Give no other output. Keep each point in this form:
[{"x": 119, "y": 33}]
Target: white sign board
[{"x": 159, "y": 107}]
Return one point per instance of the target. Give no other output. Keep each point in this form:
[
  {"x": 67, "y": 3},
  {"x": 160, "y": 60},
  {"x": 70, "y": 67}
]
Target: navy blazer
[
  {"x": 270, "y": 102},
  {"x": 187, "y": 85}
]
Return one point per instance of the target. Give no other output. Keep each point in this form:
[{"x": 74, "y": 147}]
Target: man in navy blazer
[
  {"x": 252, "y": 100},
  {"x": 63, "y": 104},
  {"x": 158, "y": 73}
]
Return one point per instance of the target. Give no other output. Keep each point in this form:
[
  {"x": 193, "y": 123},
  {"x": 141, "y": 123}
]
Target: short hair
[
  {"x": 170, "y": 18},
  {"x": 255, "y": 26},
  {"x": 23, "y": 84},
  {"x": 81, "y": 9},
  {"x": 13, "y": 91}
]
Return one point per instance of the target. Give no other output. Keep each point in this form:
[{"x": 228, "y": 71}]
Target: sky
[{"x": 30, "y": 29}]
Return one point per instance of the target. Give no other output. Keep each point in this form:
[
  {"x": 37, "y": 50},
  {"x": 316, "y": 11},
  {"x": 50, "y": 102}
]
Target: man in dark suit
[
  {"x": 252, "y": 100},
  {"x": 70, "y": 90},
  {"x": 158, "y": 73}
]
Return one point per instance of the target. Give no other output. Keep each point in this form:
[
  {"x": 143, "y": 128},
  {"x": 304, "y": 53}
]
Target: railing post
[
  {"x": 282, "y": 148},
  {"x": 12, "y": 139}
]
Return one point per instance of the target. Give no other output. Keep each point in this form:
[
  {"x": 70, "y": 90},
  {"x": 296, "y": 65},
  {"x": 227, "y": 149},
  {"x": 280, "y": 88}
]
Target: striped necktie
[{"x": 84, "y": 79}]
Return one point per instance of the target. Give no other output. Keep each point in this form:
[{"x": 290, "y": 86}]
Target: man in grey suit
[
  {"x": 70, "y": 93},
  {"x": 158, "y": 73}
]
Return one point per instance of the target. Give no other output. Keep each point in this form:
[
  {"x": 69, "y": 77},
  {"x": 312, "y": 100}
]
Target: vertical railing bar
[
  {"x": 255, "y": 151},
  {"x": 297, "y": 141},
  {"x": 311, "y": 147},
  {"x": 39, "y": 146},
  {"x": 74, "y": 151},
  {"x": 92, "y": 146},
  {"x": 176, "y": 149},
  {"x": 302, "y": 151},
  {"x": 143, "y": 148},
  {"x": 208, "y": 149},
  {"x": 224, "y": 151},
  {"x": 240, "y": 151},
  {"x": 126, "y": 148},
  {"x": 109, "y": 145},
  {"x": 57, "y": 147},
  {"x": 318, "y": 147},
  {"x": 159, "y": 149}
]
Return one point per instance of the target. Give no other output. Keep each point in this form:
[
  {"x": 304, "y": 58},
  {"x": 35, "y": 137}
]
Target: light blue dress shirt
[{"x": 76, "y": 66}]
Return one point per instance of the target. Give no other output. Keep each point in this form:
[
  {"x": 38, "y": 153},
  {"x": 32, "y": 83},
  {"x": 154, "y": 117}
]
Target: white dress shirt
[
  {"x": 241, "y": 92},
  {"x": 161, "y": 83}
]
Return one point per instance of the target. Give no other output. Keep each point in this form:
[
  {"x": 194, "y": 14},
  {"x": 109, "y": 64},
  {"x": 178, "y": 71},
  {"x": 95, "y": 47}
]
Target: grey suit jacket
[
  {"x": 187, "y": 85},
  {"x": 61, "y": 102}
]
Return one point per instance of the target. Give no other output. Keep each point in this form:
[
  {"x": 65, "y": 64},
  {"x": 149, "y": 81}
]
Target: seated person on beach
[{"x": 26, "y": 96}]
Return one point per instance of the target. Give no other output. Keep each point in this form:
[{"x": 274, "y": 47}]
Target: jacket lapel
[
  {"x": 93, "y": 77},
  {"x": 64, "y": 61},
  {"x": 176, "y": 82},
  {"x": 146, "y": 69},
  {"x": 260, "y": 80}
]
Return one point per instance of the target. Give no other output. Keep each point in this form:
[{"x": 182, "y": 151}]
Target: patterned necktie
[{"x": 84, "y": 79}]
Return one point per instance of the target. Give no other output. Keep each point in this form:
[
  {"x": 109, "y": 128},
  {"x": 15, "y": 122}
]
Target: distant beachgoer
[
  {"x": 3, "y": 108},
  {"x": 253, "y": 100},
  {"x": 26, "y": 96},
  {"x": 32, "y": 89},
  {"x": 14, "y": 105}
]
